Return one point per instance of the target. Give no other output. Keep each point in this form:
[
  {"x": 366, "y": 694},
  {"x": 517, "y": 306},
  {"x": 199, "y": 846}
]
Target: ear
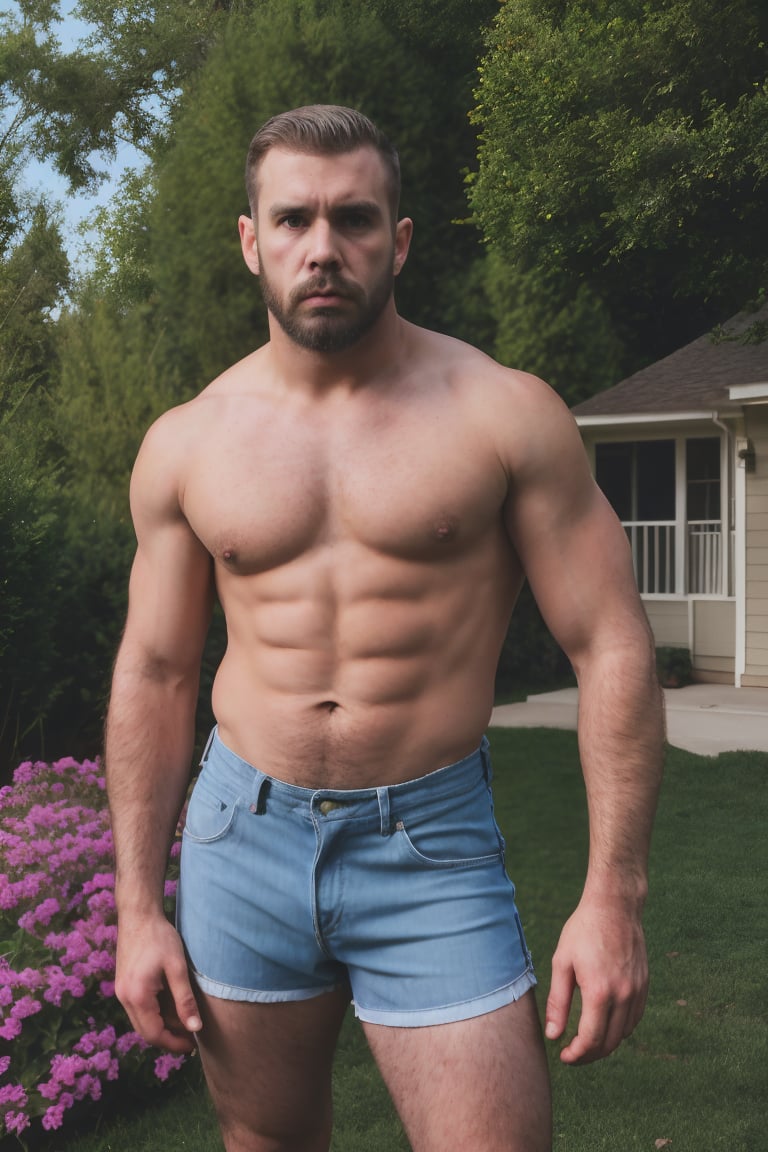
[
  {"x": 403, "y": 234},
  {"x": 248, "y": 243}
]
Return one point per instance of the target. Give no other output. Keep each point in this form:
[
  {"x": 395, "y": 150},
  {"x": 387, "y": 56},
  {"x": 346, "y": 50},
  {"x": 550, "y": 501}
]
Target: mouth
[
  {"x": 323, "y": 299},
  {"x": 323, "y": 294}
]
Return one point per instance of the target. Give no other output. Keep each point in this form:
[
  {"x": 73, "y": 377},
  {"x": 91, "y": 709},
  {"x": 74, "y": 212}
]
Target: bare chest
[{"x": 260, "y": 497}]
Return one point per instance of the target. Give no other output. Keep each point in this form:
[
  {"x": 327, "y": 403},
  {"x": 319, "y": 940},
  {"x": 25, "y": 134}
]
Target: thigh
[
  {"x": 268, "y": 1069},
  {"x": 481, "y": 1083}
]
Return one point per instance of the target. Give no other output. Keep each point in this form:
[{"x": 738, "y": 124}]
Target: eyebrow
[{"x": 368, "y": 206}]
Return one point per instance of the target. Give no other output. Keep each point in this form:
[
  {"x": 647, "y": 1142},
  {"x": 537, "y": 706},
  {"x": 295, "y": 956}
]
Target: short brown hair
[{"x": 322, "y": 130}]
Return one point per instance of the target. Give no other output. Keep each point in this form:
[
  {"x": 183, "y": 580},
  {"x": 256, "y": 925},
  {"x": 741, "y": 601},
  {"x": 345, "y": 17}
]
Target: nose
[{"x": 323, "y": 249}]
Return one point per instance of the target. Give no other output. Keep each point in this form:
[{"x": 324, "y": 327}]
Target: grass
[{"x": 694, "y": 1073}]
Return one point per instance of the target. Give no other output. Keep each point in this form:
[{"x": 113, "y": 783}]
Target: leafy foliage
[
  {"x": 628, "y": 149},
  {"x": 282, "y": 56}
]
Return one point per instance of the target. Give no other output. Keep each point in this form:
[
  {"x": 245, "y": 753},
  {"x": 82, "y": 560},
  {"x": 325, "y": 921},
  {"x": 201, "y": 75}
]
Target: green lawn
[{"x": 695, "y": 1072}]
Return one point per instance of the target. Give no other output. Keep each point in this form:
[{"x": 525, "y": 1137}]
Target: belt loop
[
  {"x": 208, "y": 743},
  {"x": 485, "y": 756},
  {"x": 383, "y": 798},
  {"x": 256, "y": 806}
]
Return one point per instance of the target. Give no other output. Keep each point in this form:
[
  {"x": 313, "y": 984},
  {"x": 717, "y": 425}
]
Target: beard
[{"x": 328, "y": 329}]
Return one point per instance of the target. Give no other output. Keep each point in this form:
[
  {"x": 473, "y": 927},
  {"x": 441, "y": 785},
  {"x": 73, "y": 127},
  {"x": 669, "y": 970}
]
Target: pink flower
[
  {"x": 16, "y": 1121},
  {"x": 57, "y": 871},
  {"x": 25, "y": 1007},
  {"x": 24, "y": 774},
  {"x": 128, "y": 1041},
  {"x": 53, "y": 1117},
  {"x": 166, "y": 1064},
  {"x": 59, "y": 984},
  {"x": 10, "y": 1029},
  {"x": 43, "y": 914},
  {"x": 13, "y": 1094}
]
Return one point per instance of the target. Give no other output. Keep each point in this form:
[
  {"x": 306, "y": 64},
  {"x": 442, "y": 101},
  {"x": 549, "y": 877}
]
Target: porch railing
[
  {"x": 653, "y": 554},
  {"x": 654, "y": 557},
  {"x": 705, "y": 557}
]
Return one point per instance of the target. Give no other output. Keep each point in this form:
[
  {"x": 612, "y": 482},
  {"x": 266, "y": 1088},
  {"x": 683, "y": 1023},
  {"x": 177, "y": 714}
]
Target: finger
[
  {"x": 151, "y": 1022},
  {"x": 182, "y": 1005},
  {"x": 637, "y": 1007},
  {"x": 559, "y": 999},
  {"x": 589, "y": 1042}
]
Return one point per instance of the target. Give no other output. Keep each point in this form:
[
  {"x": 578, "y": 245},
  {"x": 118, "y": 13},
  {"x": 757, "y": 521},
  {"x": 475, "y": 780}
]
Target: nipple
[
  {"x": 446, "y": 527},
  {"x": 228, "y": 554}
]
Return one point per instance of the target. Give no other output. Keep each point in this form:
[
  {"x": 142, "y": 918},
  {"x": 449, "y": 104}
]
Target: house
[{"x": 681, "y": 451}]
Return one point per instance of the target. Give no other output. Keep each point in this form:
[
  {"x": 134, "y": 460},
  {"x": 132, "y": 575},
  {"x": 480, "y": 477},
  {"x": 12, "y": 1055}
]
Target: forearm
[
  {"x": 621, "y": 741},
  {"x": 149, "y": 742}
]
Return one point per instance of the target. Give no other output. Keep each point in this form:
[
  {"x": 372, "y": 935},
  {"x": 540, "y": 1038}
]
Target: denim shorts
[{"x": 398, "y": 893}]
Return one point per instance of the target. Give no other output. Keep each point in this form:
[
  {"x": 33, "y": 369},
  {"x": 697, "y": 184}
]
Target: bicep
[
  {"x": 170, "y": 594},
  {"x": 170, "y": 599},
  {"x": 573, "y": 549}
]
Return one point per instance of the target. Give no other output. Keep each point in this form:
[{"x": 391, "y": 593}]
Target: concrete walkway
[{"x": 703, "y": 718}]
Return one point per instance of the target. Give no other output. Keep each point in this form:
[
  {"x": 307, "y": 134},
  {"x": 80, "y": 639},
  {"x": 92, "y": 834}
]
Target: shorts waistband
[{"x": 382, "y": 805}]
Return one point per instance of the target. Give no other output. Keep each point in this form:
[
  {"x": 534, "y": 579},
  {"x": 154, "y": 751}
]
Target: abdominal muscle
[{"x": 356, "y": 675}]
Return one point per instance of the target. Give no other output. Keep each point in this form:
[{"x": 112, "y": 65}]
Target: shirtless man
[{"x": 366, "y": 499}]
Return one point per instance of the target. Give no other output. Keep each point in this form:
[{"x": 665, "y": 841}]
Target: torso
[{"x": 362, "y": 564}]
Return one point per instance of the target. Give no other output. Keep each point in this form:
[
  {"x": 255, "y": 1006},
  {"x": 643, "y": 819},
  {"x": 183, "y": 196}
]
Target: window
[
  {"x": 702, "y": 477},
  {"x": 638, "y": 478},
  {"x": 678, "y": 542}
]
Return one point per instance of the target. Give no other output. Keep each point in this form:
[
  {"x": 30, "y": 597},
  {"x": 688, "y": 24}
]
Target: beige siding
[
  {"x": 714, "y": 628},
  {"x": 669, "y": 622},
  {"x": 756, "y": 666},
  {"x": 714, "y": 637}
]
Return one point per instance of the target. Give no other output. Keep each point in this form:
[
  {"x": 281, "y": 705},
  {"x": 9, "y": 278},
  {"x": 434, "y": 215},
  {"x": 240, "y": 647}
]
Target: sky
[{"x": 42, "y": 177}]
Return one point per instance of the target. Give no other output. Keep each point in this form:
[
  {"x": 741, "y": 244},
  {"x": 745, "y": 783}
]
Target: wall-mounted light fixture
[{"x": 747, "y": 455}]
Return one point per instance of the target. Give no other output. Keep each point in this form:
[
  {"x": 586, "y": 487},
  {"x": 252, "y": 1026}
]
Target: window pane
[
  {"x": 702, "y": 466},
  {"x": 613, "y": 472},
  {"x": 655, "y": 479}
]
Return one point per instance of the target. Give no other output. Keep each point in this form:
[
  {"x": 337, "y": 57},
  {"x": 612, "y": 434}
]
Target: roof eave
[
  {"x": 748, "y": 392},
  {"x": 608, "y": 419}
]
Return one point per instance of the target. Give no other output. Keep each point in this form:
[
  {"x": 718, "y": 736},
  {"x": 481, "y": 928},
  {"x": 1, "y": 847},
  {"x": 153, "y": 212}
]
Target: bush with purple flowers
[{"x": 63, "y": 1034}]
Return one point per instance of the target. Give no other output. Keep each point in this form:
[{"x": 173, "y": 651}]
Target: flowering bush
[{"x": 63, "y": 1034}]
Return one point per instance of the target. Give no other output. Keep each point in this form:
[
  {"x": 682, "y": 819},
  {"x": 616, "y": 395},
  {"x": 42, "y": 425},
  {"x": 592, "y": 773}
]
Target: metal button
[{"x": 327, "y": 806}]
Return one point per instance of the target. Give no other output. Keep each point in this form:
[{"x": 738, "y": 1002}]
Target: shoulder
[
  {"x": 173, "y": 443},
  {"x": 523, "y": 415}
]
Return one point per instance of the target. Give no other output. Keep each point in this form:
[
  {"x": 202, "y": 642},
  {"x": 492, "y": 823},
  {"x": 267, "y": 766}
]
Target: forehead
[{"x": 307, "y": 178}]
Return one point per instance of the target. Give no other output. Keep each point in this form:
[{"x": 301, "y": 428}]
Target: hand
[
  {"x": 602, "y": 951},
  {"x": 152, "y": 983}
]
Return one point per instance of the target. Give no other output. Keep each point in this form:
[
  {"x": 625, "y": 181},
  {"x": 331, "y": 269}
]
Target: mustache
[{"x": 326, "y": 283}]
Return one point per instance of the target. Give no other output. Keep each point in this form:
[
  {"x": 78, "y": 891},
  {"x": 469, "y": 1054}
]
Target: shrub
[
  {"x": 674, "y": 667},
  {"x": 63, "y": 1034}
]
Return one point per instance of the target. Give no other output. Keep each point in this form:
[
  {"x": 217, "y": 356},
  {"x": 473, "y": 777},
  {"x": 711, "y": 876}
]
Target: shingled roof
[{"x": 696, "y": 377}]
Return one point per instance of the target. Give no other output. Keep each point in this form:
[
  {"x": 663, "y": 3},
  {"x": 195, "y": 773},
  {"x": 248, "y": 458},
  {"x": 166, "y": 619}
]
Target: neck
[{"x": 370, "y": 358}]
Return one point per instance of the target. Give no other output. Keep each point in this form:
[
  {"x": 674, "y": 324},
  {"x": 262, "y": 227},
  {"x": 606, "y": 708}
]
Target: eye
[
  {"x": 292, "y": 221},
  {"x": 356, "y": 220}
]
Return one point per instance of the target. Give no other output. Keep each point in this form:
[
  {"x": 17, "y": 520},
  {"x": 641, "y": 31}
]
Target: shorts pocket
[
  {"x": 211, "y": 811},
  {"x": 464, "y": 837}
]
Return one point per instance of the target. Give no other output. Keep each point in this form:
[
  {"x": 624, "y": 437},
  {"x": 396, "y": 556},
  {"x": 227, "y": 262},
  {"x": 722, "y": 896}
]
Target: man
[{"x": 366, "y": 499}]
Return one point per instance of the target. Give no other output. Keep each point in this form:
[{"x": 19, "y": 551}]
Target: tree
[
  {"x": 555, "y": 329},
  {"x": 32, "y": 277},
  {"x": 283, "y": 55},
  {"x": 120, "y": 85},
  {"x": 625, "y": 147}
]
